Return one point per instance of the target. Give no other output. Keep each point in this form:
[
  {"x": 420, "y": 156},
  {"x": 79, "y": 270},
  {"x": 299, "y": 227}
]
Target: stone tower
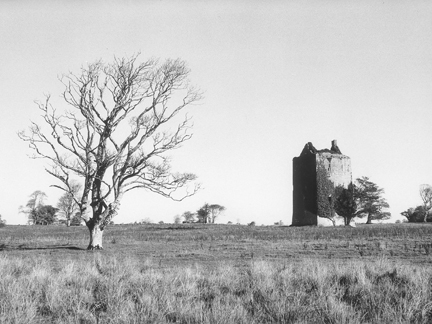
[{"x": 315, "y": 175}]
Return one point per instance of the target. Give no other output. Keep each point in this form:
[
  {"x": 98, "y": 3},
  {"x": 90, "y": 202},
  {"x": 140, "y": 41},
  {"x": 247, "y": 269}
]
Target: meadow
[{"x": 205, "y": 273}]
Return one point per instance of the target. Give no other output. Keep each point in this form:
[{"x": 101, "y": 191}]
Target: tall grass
[{"x": 115, "y": 290}]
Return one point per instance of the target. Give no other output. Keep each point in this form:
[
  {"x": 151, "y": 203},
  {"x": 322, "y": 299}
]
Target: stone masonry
[{"x": 315, "y": 175}]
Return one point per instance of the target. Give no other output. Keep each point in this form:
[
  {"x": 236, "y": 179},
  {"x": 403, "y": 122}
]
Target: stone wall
[
  {"x": 315, "y": 175},
  {"x": 338, "y": 167},
  {"x": 305, "y": 190}
]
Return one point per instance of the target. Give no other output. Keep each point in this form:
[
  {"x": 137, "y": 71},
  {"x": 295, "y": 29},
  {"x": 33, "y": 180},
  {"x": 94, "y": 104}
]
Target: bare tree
[
  {"x": 67, "y": 206},
  {"x": 123, "y": 118},
  {"x": 426, "y": 196}
]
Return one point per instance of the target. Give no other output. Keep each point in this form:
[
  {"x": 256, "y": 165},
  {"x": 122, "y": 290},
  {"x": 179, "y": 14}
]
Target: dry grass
[
  {"x": 130, "y": 291},
  {"x": 217, "y": 274},
  {"x": 208, "y": 245}
]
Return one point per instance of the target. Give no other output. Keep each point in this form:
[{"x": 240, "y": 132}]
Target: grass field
[{"x": 196, "y": 273}]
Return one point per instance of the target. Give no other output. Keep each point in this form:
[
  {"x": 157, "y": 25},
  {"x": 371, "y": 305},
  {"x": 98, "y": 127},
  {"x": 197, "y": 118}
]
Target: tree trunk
[
  {"x": 68, "y": 222},
  {"x": 95, "y": 237},
  {"x": 369, "y": 219},
  {"x": 97, "y": 223},
  {"x": 329, "y": 218}
]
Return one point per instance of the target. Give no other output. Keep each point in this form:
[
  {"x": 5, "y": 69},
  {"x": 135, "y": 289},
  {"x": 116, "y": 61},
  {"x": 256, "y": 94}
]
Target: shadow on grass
[
  {"x": 170, "y": 228},
  {"x": 23, "y": 247}
]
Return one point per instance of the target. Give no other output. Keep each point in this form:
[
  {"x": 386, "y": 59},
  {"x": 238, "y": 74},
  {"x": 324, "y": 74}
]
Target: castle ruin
[{"x": 316, "y": 173}]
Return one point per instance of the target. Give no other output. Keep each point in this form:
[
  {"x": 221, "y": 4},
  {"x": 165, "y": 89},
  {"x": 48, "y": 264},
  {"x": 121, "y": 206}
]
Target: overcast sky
[{"x": 276, "y": 75}]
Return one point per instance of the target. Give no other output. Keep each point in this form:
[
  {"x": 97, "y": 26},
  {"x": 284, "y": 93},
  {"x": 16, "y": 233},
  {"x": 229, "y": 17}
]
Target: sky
[{"x": 275, "y": 75}]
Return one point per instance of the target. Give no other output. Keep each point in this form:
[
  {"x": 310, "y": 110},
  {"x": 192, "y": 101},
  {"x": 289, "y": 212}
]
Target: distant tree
[
  {"x": 46, "y": 215},
  {"x": 76, "y": 219},
  {"x": 370, "y": 201},
  {"x": 251, "y": 223},
  {"x": 409, "y": 214},
  {"x": 161, "y": 222},
  {"x": 177, "y": 219},
  {"x": 203, "y": 213},
  {"x": 426, "y": 196},
  {"x": 188, "y": 217},
  {"x": 37, "y": 212},
  {"x": 146, "y": 220},
  {"x": 31, "y": 208},
  {"x": 119, "y": 122},
  {"x": 214, "y": 211},
  {"x": 208, "y": 213},
  {"x": 67, "y": 204},
  {"x": 416, "y": 215},
  {"x": 344, "y": 204}
]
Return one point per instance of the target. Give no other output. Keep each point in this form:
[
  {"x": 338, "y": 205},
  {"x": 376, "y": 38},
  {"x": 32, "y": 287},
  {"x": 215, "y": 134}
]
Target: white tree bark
[{"x": 95, "y": 238}]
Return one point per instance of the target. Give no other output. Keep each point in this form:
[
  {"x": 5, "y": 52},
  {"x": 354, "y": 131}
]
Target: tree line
[
  {"x": 38, "y": 213},
  {"x": 421, "y": 213},
  {"x": 208, "y": 213}
]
